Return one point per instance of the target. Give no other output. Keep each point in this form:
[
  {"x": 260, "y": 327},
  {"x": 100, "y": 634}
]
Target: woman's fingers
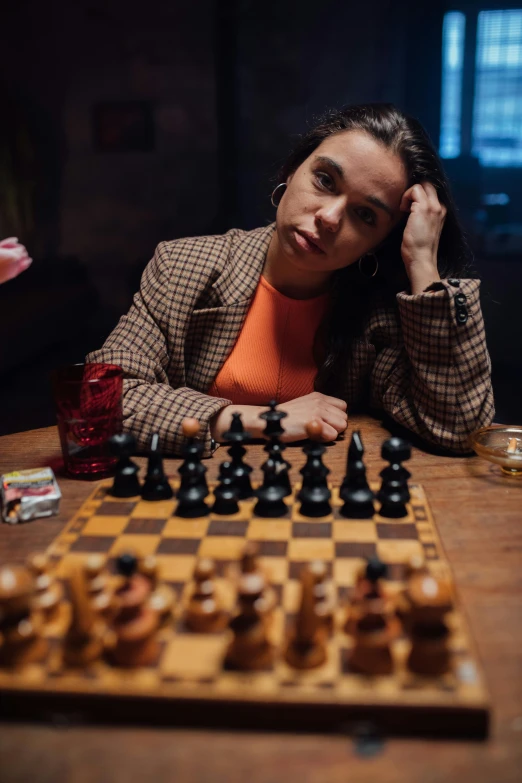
[
  {"x": 336, "y": 418},
  {"x": 335, "y": 401},
  {"x": 329, "y": 433}
]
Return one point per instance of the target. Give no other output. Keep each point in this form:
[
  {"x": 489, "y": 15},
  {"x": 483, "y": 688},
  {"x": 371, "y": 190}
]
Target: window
[
  {"x": 495, "y": 114},
  {"x": 452, "y": 62}
]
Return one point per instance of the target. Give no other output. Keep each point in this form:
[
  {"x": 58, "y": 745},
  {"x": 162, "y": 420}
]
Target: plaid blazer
[{"x": 425, "y": 359}]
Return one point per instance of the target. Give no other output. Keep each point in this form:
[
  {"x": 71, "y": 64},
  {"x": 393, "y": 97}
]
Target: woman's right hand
[{"x": 330, "y": 412}]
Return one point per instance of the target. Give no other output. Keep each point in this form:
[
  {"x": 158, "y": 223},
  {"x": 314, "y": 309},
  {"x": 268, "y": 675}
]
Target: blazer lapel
[{"x": 214, "y": 330}]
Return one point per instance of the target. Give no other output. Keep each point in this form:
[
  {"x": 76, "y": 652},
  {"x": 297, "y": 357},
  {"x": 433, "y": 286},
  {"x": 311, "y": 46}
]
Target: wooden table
[{"x": 478, "y": 513}]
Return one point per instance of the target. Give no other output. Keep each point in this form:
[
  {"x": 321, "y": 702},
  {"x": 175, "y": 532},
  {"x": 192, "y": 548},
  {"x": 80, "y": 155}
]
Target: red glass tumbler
[{"x": 88, "y": 399}]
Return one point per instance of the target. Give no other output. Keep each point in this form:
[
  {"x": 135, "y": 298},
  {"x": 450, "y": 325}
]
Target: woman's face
[{"x": 341, "y": 202}]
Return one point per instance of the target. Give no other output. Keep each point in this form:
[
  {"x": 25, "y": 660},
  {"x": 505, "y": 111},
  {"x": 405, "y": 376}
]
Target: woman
[{"x": 355, "y": 292}]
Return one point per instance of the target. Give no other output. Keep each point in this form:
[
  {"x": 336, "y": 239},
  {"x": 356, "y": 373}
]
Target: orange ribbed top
[{"x": 272, "y": 357}]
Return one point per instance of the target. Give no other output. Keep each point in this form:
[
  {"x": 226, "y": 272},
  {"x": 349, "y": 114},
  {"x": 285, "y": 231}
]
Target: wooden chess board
[{"x": 188, "y": 684}]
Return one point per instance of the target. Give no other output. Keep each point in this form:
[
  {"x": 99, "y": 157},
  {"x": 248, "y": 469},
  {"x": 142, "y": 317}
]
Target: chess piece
[
  {"x": 49, "y": 592},
  {"x": 226, "y": 492},
  {"x": 306, "y": 647},
  {"x": 374, "y": 628},
  {"x": 429, "y": 601},
  {"x": 240, "y": 471},
  {"x": 156, "y": 485},
  {"x": 369, "y": 582},
  {"x": 314, "y": 493},
  {"x": 21, "y": 627},
  {"x": 270, "y": 495},
  {"x": 135, "y": 623},
  {"x": 368, "y": 586},
  {"x": 83, "y": 642},
  {"x": 162, "y": 598},
  {"x": 204, "y": 612},
  {"x": 98, "y": 585},
  {"x": 394, "y": 493},
  {"x": 250, "y": 648},
  {"x": 415, "y": 566},
  {"x": 274, "y": 448},
  {"x": 126, "y": 483},
  {"x": 249, "y": 564},
  {"x": 193, "y": 488},
  {"x": 323, "y": 595},
  {"x": 355, "y": 490}
]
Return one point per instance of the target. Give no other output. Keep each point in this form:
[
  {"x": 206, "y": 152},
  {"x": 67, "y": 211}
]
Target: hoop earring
[
  {"x": 368, "y": 277},
  {"x": 274, "y": 203}
]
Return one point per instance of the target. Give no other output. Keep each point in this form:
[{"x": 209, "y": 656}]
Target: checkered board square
[{"x": 190, "y": 666}]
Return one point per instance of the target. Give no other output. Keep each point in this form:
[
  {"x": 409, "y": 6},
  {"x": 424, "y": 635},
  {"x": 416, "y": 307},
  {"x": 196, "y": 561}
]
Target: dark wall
[{"x": 111, "y": 209}]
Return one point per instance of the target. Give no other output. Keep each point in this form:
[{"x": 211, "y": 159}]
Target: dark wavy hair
[{"x": 353, "y": 294}]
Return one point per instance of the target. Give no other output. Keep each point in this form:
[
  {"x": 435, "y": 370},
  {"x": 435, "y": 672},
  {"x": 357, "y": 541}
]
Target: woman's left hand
[{"x": 420, "y": 241}]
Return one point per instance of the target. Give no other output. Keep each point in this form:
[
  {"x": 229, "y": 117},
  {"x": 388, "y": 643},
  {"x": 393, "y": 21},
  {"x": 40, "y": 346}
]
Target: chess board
[{"x": 188, "y": 683}]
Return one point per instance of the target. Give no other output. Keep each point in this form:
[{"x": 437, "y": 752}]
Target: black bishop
[
  {"x": 355, "y": 490},
  {"x": 156, "y": 485}
]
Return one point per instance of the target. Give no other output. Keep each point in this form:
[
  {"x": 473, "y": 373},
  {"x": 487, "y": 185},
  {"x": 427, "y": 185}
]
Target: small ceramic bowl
[{"x": 502, "y": 444}]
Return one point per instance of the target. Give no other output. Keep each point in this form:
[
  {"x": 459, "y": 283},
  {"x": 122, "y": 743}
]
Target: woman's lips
[{"x": 307, "y": 244}]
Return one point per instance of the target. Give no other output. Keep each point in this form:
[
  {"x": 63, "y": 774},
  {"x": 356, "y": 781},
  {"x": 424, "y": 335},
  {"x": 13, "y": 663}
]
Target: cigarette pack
[{"x": 28, "y": 494}]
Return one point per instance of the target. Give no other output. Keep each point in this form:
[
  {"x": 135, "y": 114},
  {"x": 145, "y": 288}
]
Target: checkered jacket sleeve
[
  {"x": 432, "y": 371},
  {"x": 142, "y": 344}
]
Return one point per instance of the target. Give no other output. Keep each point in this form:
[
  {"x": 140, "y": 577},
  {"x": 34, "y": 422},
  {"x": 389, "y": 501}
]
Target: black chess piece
[
  {"x": 240, "y": 471},
  {"x": 375, "y": 570},
  {"x": 226, "y": 492},
  {"x": 355, "y": 490},
  {"x": 193, "y": 488},
  {"x": 126, "y": 483},
  {"x": 156, "y": 485},
  {"x": 394, "y": 493},
  {"x": 127, "y": 564},
  {"x": 274, "y": 447},
  {"x": 314, "y": 493},
  {"x": 270, "y": 494}
]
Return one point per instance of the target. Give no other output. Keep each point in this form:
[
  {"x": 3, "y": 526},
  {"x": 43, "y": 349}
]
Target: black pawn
[
  {"x": 126, "y": 483},
  {"x": 355, "y": 490},
  {"x": 314, "y": 493},
  {"x": 226, "y": 492},
  {"x": 274, "y": 447},
  {"x": 127, "y": 564},
  {"x": 191, "y": 494},
  {"x": 270, "y": 494},
  {"x": 193, "y": 488},
  {"x": 237, "y": 436},
  {"x": 394, "y": 493},
  {"x": 375, "y": 569},
  {"x": 156, "y": 485}
]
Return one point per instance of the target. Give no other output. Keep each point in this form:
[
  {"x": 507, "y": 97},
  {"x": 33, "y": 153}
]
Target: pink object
[
  {"x": 88, "y": 399},
  {"x": 14, "y": 259}
]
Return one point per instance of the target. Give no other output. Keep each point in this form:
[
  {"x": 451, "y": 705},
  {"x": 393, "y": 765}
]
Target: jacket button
[
  {"x": 454, "y": 282},
  {"x": 460, "y": 299},
  {"x": 462, "y": 315}
]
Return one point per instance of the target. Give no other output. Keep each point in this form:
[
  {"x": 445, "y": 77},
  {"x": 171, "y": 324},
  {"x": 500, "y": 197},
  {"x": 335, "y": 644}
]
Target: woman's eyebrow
[{"x": 340, "y": 171}]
